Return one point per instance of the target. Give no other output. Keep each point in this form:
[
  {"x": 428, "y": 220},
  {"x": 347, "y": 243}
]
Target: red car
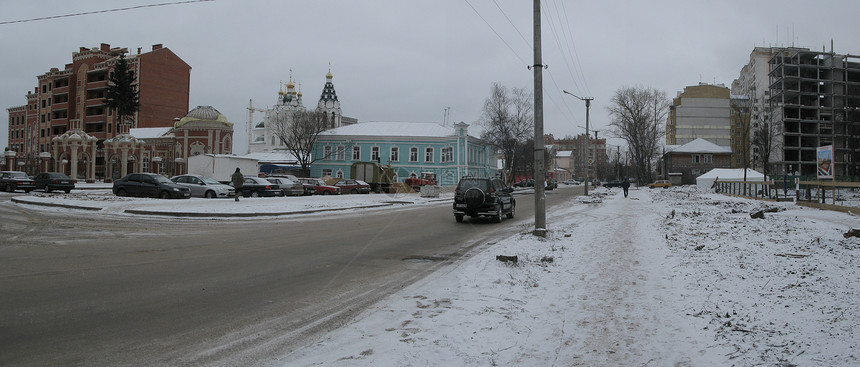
[
  {"x": 321, "y": 187},
  {"x": 353, "y": 186}
]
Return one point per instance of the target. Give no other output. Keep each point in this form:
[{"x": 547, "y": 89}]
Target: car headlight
[{"x": 176, "y": 189}]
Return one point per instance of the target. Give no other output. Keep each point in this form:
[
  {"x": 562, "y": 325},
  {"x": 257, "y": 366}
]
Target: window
[
  {"x": 428, "y": 155},
  {"x": 708, "y": 158},
  {"x": 326, "y": 152},
  {"x": 339, "y": 174},
  {"x": 395, "y": 154},
  {"x": 413, "y": 154},
  {"x": 341, "y": 153},
  {"x": 697, "y": 158},
  {"x": 326, "y": 172},
  {"x": 448, "y": 154},
  {"x": 145, "y": 164},
  {"x": 356, "y": 153},
  {"x": 374, "y": 153}
]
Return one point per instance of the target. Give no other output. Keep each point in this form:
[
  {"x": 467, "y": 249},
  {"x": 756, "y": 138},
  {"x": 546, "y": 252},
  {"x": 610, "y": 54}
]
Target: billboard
[{"x": 825, "y": 162}]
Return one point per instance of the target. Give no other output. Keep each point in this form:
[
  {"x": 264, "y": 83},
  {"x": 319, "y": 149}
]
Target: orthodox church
[{"x": 263, "y": 135}]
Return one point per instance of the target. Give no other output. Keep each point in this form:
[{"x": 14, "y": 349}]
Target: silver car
[
  {"x": 288, "y": 187},
  {"x": 203, "y": 187}
]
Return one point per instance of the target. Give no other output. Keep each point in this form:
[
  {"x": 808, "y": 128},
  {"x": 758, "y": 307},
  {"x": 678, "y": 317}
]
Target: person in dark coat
[
  {"x": 238, "y": 180},
  {"x": 626, "y": 186}
]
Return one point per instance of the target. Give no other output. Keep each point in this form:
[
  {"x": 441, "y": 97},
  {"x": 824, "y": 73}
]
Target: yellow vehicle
[{"x": 660, "y": 183}]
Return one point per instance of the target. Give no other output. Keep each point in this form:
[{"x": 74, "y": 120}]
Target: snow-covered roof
[
  {"x": 149, "y": 132},
  {"x": 272, "y": 157},
  {"x": 564, "y": 153},
  {"x": 378, "y": 128},
  {"x": 732, "y": 173},
  {"x": 698, "y": 146}
]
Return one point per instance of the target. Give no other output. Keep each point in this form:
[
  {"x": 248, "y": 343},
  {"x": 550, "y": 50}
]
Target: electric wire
[
  {"x": 512, "y": 25},
  {"x": 100, "y": 11},
  {"x": 497, "y": 33}
]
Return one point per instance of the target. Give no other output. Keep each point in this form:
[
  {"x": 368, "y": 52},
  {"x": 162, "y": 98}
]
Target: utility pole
[
  {"x": 588, "y": 161},
  {"x": 540, "y": 195}
]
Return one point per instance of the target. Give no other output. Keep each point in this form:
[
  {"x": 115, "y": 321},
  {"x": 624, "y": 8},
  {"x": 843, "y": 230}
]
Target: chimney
[
  {"x": 138, "y": 50},
  {"x": 105, "y": 47},
  {"x": 157, "y": 47}
]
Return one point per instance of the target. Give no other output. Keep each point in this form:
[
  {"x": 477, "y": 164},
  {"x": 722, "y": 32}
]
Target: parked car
[
  {"x": 483, "y": 196},
  {"x": 16, "y": 180},
  {"x": 310, "y": 189},
  {"x": 321, "y": 187},
  {"x": 149, "y": 185},
  {"x": 204, "y": 187},
  {"x": 572, "y": 182},
  {"x": 551, "y": 184},
  {"x": 614, "y": 183},
  {"x": 50, "y": 181},
  {"x": 288, "y": 187},
  {"x": 353, "y": 186},
  {"x": 660, "y": 183},
  {"x": 257, "y": 187},
  {"x": 525, "y": 183}
]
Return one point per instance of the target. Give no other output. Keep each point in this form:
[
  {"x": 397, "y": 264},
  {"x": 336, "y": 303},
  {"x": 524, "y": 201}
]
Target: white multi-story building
[{"x": 700, "y": 111}]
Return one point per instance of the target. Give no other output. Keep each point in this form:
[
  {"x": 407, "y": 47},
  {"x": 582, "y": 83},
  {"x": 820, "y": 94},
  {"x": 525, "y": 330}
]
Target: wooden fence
[{"x": 842, "y": 196}]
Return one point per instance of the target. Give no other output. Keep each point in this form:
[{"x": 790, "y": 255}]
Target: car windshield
[
  {"x": 18, "y": 175},
  {"x": 468, "y": 183},
  {"x": 208, "y": 181},
  {"x": 161, "y": 179},
  {"x": 361, "y": 182}
]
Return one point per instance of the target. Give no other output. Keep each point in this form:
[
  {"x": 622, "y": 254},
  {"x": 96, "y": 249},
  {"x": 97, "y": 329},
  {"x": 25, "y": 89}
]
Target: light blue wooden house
[{"x": 411, "y": 148}]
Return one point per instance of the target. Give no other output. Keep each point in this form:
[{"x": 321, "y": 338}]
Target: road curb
[
  {"x": 245, "y": 215},
  {"x": 67, "y": 206}
]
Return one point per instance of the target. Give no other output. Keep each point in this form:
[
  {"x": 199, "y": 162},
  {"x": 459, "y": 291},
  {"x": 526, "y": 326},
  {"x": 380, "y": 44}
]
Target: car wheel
[
  {"x": 121, "y": 192},
  {"x": 326, "y": 192},
  {"x": 68, "y": 190},
  {"x": 474, "y": 198},
  {"x": 26, "y": 191},
  {"x": 458, "y": 217},
  {"x": 47, "y": 188},
  {"x": 9, "y": 188},
  {"x": 164, "y": 195},
  {"x": 353, "y": 191},
  {"x": 513, "y": 209},
  {"x": 255, "y": 194},
  {"x": 210, "y": 194},
  {"x": 498, "y": 217}
]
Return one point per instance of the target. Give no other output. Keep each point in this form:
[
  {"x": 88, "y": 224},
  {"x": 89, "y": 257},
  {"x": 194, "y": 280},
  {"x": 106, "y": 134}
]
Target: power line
[
  {"x": 497, "y": 33},
  {"x": 512, "y": 24},
  {"x": 100, "y": 11}
]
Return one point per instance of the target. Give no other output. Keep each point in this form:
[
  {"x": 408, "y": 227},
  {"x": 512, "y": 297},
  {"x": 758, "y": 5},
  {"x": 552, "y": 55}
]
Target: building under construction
[{"x": 814, "y": 99}]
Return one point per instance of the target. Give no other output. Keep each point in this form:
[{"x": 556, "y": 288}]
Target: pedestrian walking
[
  {"x": 626, "y": 186},
  {"x": 238, "y": 180}
]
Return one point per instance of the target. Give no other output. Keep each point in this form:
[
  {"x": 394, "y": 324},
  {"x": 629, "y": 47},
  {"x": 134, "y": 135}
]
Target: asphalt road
[{"x": 92, "y": 290}]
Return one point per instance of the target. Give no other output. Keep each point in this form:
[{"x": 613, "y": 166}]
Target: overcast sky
[{"x": 410, "y": 60}]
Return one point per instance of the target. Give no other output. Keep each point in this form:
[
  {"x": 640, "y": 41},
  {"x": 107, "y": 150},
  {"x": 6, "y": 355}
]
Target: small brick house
[{"x": 694, "y": 159}]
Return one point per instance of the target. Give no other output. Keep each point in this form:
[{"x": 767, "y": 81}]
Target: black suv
[{"x": 477, "y": 196}]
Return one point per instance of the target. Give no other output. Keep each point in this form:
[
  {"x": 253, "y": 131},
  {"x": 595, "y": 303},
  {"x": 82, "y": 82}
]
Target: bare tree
[
  {"x": 298, "y": 131},
  {"x": 740, "y": 117},
  {"x": 507, "y": 121},
  {"x": 636, "y": 116},
  {"x": 764, "y": 140}
]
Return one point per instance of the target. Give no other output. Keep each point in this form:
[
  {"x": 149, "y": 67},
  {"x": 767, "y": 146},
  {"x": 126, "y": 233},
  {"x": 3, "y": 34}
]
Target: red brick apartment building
[{"x": 70, "y": 101}]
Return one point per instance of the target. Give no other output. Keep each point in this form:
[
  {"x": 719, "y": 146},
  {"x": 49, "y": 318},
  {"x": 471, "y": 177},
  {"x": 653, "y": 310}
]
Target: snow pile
[
  {"x": 107, "y": 202},
  {"x": 666, "y": 277}
]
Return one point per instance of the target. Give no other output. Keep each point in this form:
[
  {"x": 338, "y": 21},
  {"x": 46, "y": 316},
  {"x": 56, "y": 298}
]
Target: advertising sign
[{"x": 825, "y": 162}]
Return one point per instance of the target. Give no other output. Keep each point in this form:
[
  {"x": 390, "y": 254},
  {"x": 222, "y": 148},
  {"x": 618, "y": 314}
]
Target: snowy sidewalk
[{"x": 601, "y": 297}]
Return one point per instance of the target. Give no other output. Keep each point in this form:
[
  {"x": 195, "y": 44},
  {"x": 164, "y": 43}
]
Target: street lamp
[{"x": 587, "y": 148}]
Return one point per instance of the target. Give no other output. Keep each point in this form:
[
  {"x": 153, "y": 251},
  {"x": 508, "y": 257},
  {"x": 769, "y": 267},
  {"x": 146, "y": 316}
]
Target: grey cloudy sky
[{"x": 396, "y": 60}]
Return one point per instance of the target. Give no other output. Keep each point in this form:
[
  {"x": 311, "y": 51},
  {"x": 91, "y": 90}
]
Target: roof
[
  {"x": 732, "y": 173},
  {"x": 149, "y": 132},
  {"x": 416, "y": 129},
  {"x": 698, "y": 146},
  {"x": 564, "y": 153},
  {"x": 272, "y": 157}
]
